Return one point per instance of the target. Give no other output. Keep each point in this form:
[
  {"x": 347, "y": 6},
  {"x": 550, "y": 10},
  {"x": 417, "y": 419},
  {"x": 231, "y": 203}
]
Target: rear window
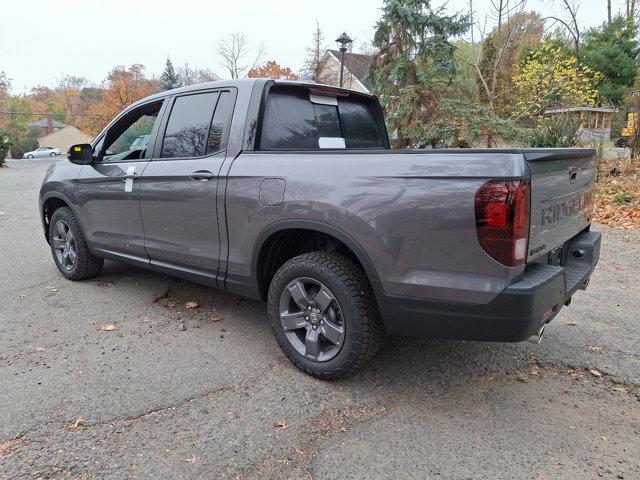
[{"x": 292, "y": 121}]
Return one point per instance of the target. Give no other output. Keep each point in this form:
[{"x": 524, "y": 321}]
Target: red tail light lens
[{"x": 502, "y": 220}]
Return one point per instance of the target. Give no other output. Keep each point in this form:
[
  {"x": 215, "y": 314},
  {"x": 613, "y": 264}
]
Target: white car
[{"x": 42, "y": 152}]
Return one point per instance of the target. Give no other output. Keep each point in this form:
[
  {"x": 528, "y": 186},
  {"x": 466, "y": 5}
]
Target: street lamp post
[{"x": 343, "y": 40}]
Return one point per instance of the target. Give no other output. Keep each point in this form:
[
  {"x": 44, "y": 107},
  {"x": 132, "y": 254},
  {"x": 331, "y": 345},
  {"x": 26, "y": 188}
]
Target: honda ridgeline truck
[{"x": 288, "y": 192}]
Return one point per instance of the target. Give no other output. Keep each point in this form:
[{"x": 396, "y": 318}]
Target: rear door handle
[{"x": 202, "y": 175}]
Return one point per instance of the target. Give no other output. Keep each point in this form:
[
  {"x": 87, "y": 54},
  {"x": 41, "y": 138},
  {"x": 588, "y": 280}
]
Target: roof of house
[
  {"x": 581, "y": 109},
  {"x": 43, "y": 123},
  {"x": 357, "y": 64},
  {"x": 63, "y": 130}
]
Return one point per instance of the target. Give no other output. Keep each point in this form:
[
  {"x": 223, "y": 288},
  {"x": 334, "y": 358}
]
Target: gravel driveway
[{"x": 173, "y": 392}]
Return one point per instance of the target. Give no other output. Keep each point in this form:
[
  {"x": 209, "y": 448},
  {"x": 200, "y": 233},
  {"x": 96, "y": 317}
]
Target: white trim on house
[{"x": 347, "y": 70}]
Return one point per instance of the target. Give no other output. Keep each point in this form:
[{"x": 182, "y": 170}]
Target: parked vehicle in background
[
  {"x": 42, "y": 152},
  {"x": 288, "y": 192}
]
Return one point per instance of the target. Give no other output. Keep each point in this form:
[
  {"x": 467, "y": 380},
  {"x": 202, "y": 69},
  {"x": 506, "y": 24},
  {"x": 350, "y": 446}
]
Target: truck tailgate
[{"x": 562, "y": 190}]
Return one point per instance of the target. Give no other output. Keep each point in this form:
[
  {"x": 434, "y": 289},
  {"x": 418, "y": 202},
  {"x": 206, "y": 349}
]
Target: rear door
[
  {"x": 562, "y": 190},
  {"x": 179, "y": 186},
  {"x": 109, "y": 188}
]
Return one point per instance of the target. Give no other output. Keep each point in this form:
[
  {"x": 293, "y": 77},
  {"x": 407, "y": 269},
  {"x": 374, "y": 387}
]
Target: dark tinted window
[
  {"x": 221, "y": 117},
  {"x": 187, "y": 133},
  {"x": 359, "y": 125},
  {"x": 291, "y": 121}
]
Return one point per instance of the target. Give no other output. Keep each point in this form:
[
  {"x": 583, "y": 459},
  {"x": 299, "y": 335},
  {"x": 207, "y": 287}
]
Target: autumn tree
[
  {"x": 121, "y": 88},
  {"x": 236, "y": 55},
  {"x": 548, "y": 77},
  {"x": 169, "y": 78},
  {"x": 499, "y": 53},
  {"x": 272, "y": 70},
  {"x": 414, "y": 66}
]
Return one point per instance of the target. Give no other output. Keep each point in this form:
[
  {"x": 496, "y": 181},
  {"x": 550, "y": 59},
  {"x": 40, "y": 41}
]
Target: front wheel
[
  {"x": 324, "y": 314},
  {"x": 52, "y": 154},
  {"x": 69, "y": 247},
  {"x": 29, "y": 156}
]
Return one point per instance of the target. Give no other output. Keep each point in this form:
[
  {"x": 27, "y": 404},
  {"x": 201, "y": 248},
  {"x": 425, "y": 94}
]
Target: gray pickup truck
[{"x": 288, "y": 192}]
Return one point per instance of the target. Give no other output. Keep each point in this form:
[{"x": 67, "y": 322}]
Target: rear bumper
[{"x": 517, "y": 313}]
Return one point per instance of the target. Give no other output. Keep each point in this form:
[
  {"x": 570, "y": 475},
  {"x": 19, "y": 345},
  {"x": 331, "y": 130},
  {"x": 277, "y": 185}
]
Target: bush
[
  {"x": 4, "y": 146},
  {"x": 559, "y": 132},
  {"x": 26, "y": 143}
]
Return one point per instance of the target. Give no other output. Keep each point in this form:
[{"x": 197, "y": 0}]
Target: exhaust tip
[{"x": 536, "y": 338}]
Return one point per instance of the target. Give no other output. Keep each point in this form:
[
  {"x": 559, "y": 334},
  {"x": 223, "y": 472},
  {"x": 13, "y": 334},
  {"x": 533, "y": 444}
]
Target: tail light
[{"x": 502, "y": 220}]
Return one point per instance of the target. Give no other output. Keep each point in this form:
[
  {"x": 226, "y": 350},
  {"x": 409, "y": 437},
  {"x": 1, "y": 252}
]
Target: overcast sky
[{"x": 40, "y": 40}]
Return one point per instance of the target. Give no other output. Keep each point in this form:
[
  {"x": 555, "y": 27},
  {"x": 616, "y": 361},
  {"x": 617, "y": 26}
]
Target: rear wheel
[
  {"x": 52, "y": 154},
  {"x": 29, "y": 156},
  {"x": 69, "y": 247},
  {"x": 324, "y": 314}
]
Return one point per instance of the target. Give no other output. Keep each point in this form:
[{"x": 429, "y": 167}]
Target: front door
[
  {"x": 109, "y": 188},
  {"x": 179, "y": 186}
]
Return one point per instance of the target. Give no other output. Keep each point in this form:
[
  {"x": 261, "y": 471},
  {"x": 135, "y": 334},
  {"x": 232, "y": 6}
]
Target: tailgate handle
[{"x": 573, "y": 174}]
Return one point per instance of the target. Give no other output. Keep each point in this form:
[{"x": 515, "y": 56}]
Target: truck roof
[{"x": 242, "y": 84}]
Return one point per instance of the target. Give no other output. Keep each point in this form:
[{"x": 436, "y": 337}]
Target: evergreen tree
[
  {"x": 612, "y": 49},
  {"x": 169, "y": 78},
  {"x": 414, "y": 66}
]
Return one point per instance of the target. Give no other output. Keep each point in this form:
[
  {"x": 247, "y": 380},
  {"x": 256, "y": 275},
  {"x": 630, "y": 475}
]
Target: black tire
[
  {"x": 29, "y": 157},
  {"x": 363, "y": 329},
  {"x": 52, "y": 154},
  {"x": 86, "y": 264}
]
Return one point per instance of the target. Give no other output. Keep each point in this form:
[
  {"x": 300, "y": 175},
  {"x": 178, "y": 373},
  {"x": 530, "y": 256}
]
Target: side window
[
  {"x": 129, "y": 137},
  {"x": 221, "y": 121},
  {"x": 359, "y": 125},
  {"x": 298, "y": 120},
  {"x": 193, "y": 130}
]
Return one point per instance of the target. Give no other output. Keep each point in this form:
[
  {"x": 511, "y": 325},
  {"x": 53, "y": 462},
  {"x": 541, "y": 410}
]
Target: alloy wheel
[
  {"x": 312, "y": 319},
  {"x": 64, "y": 245}
]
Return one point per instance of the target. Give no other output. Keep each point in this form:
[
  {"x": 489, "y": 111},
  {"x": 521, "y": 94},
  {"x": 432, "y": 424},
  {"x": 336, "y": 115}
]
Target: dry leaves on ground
[
  {"x": 192, "y": 305},
  {"x": 216, "y": 318},
  {"x": 617, "y": 202},
  {"x": 595, "y": 373},
  {"x": 108, "y": 328},
  {"x": 282, "y": 424}
]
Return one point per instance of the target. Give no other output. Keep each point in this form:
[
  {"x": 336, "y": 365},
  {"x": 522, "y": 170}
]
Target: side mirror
[{"x": 80, "y": 154}]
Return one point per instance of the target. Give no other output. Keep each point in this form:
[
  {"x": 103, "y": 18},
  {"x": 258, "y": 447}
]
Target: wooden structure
[{"x": 595, "y": 122}]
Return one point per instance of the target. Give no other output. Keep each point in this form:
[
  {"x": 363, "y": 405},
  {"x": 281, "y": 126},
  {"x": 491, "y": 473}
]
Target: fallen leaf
[
  {"x": 573, "y": 324},
  {"x": 108, "y": 328},
  {"x": 594, "y": 372},
  {"x": 522, "y": 378},
  {"x": 192, "y": 305},
  {"x": 282, "y": 424},
  {"x": 534, "y": 370},
  {"x": 77, "y": 421},
  {"x": 217, "y": 318},
  {"x": 620, "y": 389},
  {"x": 192, "y": 459},
  {"x": 299, "y": 451},
  {"x": 40, "y": 349},
  {"x": 6, "y": 447}
]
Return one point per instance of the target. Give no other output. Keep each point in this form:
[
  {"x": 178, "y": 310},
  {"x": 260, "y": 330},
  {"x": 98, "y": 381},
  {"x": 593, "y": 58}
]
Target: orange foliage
[
  {"x": 617, "y": 201},
  {"x": 272, "y": 70},
  {"x": 121, "y": 88}
]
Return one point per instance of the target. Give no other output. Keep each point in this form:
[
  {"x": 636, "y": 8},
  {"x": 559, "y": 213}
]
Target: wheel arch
[
  {"x": 283, "y": 230},
  {"x": 50, "y": 203}
]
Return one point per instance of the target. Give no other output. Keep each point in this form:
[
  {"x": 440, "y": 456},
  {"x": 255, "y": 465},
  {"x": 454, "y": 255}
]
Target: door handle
[
  {"x": 202, "y": 175},
  {"x": 129, "y": 176}
]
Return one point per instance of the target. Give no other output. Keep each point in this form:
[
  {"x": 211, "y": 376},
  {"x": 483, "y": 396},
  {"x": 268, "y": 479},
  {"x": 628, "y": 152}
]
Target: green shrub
[
  {"x": 26, "y": 143},
  {"x": 5, "y": 143},
  {"x": 559, "y": 132}
]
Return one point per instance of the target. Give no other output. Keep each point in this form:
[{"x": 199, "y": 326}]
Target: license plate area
[{"x": 556, "y": 256}]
